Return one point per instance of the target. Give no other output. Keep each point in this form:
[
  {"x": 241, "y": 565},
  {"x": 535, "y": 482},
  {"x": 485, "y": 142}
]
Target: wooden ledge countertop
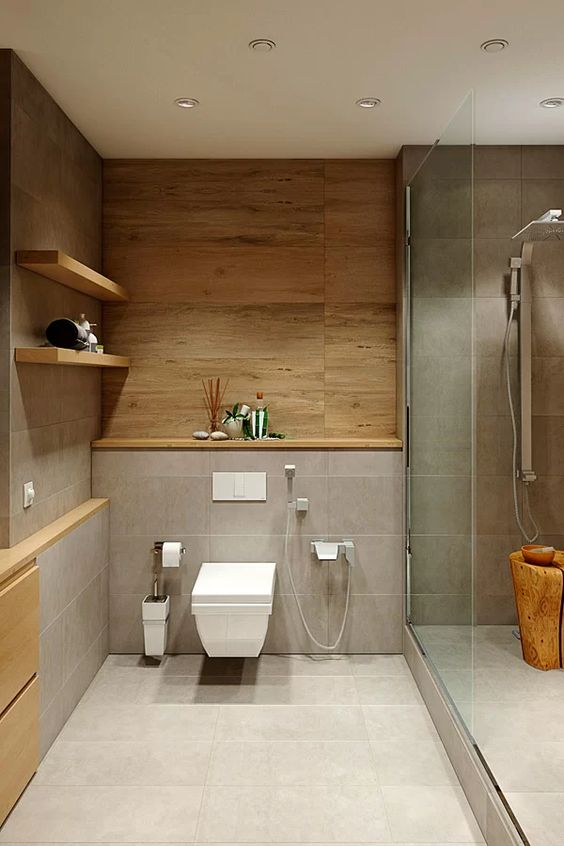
[
  {"x": 286, "y": 443},
  {"x": 18, "y": 556}
]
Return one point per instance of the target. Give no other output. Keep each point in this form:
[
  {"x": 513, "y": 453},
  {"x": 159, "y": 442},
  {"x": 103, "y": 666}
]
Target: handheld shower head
[{"x": 549, "y": 227}]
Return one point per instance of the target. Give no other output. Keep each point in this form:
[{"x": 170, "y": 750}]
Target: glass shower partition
[{"x": 439, "y": 382}]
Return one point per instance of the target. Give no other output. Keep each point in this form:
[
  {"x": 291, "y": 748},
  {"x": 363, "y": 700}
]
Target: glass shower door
[{"x": 440, "y": 406}]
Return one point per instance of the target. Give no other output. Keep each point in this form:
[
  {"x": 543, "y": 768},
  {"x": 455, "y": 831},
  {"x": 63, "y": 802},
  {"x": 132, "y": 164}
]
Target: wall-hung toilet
[{"x": 232, "y": 604}]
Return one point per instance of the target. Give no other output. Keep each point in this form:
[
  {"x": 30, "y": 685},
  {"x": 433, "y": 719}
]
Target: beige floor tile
[
  {"x": 341, "y": 814},
  {"x": 379, "y": 665},
  {"x": 536, "y": 767},
  {"x": 156, "y": 723},
  {"x": 402, "y": 722},
  {"x": 286, "y": 723},
  {"x": 125, "y": 763},
  {"x": 104, "y": 814},
  {"x": 407, "y": 763},
  {"x": 430, "y": 815},
  {"x": 291, "y": 763},
  {"x": 387, "y": 690},
  {"x": 541, "y": 815},
  {"x": 271, "y": 690}
]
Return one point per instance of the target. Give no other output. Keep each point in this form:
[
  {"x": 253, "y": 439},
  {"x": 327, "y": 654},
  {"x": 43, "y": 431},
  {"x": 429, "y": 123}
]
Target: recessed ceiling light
[
  {"x": 552, "y": 103},
  {"x": 187, "y": 103},
  {"x": 262, "y": 45},
  {"x": 494, "y": 45},
  {"x": 368, "y": 102}
]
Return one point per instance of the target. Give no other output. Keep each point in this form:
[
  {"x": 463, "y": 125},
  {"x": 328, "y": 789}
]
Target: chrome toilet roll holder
[{"x": 158, "y": 548}]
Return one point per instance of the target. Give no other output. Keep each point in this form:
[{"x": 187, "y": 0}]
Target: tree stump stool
[{"x": 539, "y": 595}]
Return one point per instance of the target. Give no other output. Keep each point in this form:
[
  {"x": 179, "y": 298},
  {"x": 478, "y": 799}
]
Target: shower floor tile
[{"x": 284, "y": 749}]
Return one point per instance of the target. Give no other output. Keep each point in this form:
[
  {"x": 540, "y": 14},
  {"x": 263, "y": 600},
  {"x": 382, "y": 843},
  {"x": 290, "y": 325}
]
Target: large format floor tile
[
  {"x": 101, "y": 814},
  {"x": 511, "y": 709},
  {"x": 283, "y": 749}
]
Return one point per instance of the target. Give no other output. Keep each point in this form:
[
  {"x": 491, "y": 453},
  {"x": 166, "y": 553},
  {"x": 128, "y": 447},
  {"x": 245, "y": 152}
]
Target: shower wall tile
[
  {"x": 441, "y": 564},
  {"x": 73, "y": 577},
  {"x": 167, "y": 495},
  {"x": 494, "y": 161},
  {"x": 543, "y": 161},
  {"x": 441, "y": 445},
  {"x": 491, "y": 266},
  {"x": 441, "y": 505},
  {"x": 497, "y": 208},
  {"x": 539, "y": 195},
  {"x": 441, "y": 267}
]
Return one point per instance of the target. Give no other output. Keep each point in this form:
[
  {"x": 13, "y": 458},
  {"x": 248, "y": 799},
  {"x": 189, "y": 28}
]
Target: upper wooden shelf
[
  {"x": 287, "y": 443},
  {"x": 57, "y": 355},
  {"x": 67, "y": 271}
]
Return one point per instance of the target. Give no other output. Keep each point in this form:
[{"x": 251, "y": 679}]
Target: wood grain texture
[
  {"x": 72, "y": 358},
  {"x": 19, "y": 634},
  {"x": 19, "y": 746},
  {"x": 231, "y": 273},
  {"x": 287, "y": 444},
  {"x": 539, "y": 594},
  {"x": 57, "y": 266}
]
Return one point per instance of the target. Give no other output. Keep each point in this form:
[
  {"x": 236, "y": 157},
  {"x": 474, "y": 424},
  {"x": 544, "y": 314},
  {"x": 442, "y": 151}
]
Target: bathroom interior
[{"x": 282, "y": 392}]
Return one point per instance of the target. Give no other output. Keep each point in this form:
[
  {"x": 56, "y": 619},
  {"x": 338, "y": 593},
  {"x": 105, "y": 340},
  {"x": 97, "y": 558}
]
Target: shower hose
[
  {"x": 328, "y": 646},
  {"x": 526, "y": 504}
]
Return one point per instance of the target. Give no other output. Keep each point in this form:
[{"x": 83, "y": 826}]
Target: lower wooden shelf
[
  {"x": 56, "y": 355},
  {"x": 286, "y": 443}
]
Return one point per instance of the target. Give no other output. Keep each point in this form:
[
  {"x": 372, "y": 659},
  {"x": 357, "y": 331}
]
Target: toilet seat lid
[{"x": 234, "y": 583}]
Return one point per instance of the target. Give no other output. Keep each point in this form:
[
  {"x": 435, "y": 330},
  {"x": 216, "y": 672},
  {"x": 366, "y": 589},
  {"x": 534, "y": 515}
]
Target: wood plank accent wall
[{"x": 279, "y": 275}]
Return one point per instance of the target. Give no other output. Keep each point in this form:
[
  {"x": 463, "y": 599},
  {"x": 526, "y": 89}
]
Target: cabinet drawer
[
  {"x": 19, "y": 634},
  {"x": 19, "y": 746}
]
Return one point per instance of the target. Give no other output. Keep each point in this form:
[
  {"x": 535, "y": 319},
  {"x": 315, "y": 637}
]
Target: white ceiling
[{"x": 116, "y": 66}]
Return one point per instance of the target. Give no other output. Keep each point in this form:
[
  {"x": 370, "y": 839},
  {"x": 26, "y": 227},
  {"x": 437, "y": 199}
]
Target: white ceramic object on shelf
[{"x": 233, "y": 428}]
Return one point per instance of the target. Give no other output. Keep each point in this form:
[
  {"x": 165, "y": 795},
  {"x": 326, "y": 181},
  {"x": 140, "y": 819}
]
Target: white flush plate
[{"x": 239, "y": 487}]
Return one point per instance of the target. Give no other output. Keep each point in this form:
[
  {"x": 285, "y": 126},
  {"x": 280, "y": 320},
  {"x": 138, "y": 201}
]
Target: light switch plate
[
  {"x": 239, "y": 487},
  {"x": 28, "y": 494}
]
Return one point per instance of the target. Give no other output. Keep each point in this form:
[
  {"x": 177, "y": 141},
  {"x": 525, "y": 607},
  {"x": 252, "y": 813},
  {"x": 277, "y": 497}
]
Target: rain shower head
[{"x": 549, "y": 227}]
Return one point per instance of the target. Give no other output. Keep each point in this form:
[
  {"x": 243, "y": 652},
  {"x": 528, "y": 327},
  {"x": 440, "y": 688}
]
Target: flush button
[{"x": 239, "y": 487}]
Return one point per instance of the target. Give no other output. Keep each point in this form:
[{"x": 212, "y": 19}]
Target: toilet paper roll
[{"x": 172, "y": 551}]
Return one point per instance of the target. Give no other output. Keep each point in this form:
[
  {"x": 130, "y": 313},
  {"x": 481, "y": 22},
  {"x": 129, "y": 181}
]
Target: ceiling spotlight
[
  {"x": 368, "y": 102},
  {"x": 552, "y": 103},
  {"x": 494, "y": 45},
  {"x": 187, "y": 103},
  {"x": 262, "y": 45}
]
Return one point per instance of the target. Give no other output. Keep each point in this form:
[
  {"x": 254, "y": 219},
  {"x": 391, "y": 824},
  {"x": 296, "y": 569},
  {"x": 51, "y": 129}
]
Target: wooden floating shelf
[
  {"x": 61, "y": 268},
  {"x": 287, "y": 443},
  {"x": 57, "y": 355}
]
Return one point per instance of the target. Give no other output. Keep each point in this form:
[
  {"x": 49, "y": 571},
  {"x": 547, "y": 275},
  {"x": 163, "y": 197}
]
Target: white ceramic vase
[{"x": 233, "y": 428}]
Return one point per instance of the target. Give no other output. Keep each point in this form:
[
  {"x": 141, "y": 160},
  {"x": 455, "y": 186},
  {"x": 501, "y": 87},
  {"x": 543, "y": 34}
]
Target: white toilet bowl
[{"x": 231, "y": 603}]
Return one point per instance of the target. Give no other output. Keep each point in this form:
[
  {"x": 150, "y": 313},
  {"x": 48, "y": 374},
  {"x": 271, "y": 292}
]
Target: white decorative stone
[
  {"x": 200, "y": 436},
  {"x": 219, "y": 436}
]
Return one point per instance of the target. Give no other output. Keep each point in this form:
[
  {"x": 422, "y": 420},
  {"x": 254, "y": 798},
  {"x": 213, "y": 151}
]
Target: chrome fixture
[{"x": 546, "y": 228}]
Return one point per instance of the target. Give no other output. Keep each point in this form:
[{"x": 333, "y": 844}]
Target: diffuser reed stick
[{"x": 213, "y": 400}]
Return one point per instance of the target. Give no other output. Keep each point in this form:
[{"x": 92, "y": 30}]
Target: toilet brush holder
[{"x": 155, "y": 611}]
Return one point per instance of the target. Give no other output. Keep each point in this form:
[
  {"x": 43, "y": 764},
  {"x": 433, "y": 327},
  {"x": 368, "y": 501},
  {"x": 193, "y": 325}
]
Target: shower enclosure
[
  {"x": 485, "y": 444},
  {"x": 440, "y": 400}
]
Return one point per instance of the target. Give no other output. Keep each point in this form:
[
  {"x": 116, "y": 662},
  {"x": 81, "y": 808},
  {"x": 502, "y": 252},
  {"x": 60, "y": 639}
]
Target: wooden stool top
[{"x": 558, "y": 561}]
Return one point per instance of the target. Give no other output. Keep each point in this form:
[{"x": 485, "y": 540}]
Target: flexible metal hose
[
  {"x": 529, "y": 539},
  {"x": 332, "y": 646}
]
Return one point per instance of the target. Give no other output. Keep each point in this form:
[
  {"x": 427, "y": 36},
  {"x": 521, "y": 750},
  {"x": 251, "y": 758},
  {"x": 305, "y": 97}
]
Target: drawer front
[
  {"x": 19, "y": 746},
  {"x": 19, "y": 634}
]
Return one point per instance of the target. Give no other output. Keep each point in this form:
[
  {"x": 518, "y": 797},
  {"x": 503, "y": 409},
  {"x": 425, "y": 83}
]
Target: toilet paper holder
[{"x": 158, "y": 547}]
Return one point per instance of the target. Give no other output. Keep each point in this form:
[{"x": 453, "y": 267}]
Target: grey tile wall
[
  {"x": 513, "y": 185},
  {"x": 441, "y": 406},
  {"x": 55, "y": 184},
  {"x": 158, "y": 495},
  {"x": 74, "y": 586}
]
